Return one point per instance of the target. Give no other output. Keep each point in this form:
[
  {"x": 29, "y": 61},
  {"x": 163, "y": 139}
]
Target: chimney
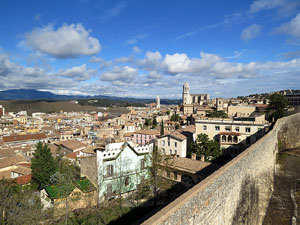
[
  {"x": 194, "y": 156},
  {"x": 202, "y": 158}
]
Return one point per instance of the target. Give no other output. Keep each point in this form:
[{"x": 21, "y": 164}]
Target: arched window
[
  {"x": 223, "y": 138},
  {"x": 235, "y": 139},
  {"x": 229, "y": 139}
]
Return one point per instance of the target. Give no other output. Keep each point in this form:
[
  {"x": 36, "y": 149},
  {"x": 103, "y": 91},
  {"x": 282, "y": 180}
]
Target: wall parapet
[{"x": 239, "y": 192}]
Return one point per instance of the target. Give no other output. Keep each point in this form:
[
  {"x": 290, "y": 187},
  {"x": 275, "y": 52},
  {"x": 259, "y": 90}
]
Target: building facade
[{"x": 191, "y": 101}]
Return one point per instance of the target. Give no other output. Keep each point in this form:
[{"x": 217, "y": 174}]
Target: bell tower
[{"x": 186, "y": 98}]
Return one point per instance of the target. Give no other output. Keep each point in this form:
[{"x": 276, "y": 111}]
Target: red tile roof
[
  {"x": 26, "y": 137},
  {"x": 24, "y": 179}
]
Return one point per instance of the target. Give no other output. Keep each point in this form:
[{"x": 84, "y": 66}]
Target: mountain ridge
[{"x": 32, "y": 94}]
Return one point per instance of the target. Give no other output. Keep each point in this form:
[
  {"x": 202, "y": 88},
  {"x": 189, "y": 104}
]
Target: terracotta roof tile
[
  {"x": 24, "y": 179},
  {"x": 25, "y": 137}
]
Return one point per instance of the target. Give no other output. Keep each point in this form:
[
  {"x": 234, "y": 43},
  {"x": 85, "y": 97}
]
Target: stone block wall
[{"x": 237, "y": 193}]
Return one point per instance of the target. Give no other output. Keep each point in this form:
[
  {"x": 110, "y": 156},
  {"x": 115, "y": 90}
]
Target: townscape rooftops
[
  {"x": 25, "y": 137},
  {"x": 25, "y": 179},
  {"x": 71, "y": 144},
  {"x": 10, "y": 161},
  {"x": 187, "y": 164}
]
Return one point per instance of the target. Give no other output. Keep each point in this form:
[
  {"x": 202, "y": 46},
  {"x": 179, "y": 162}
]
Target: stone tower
[
  {"x": 157, "y": 102},
  {"x": 186, "y": 97}
]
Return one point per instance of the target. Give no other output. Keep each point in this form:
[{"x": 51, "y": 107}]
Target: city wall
[{"x": 239, "y": 192}]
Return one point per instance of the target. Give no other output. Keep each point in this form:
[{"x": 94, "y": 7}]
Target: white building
[{"x": 176, "y": 142}]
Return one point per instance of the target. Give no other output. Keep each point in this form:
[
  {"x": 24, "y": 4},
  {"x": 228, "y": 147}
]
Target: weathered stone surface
[{"x": 239, "y": 192}]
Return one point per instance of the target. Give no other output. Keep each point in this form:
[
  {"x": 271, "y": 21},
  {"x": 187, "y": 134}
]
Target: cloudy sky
[{"x": 147, "y": 48}]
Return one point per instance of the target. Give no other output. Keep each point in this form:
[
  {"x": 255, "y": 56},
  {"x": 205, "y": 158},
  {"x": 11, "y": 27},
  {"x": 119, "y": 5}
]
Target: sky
[{"x": 146, "y": 48}]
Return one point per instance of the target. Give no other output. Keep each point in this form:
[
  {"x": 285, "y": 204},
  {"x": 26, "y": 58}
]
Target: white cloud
[
  {"x": 79, "y": 73},
  {"x": 121, "y": 74},
  {"x": 135, "y": 39},
  {"x": 251, "y": 32},
  {"x": 259, "y": 5},
  {"x": 67, "y": 41},
  {"x": 291, "y": 28},
  {"x": 152, "y": 61},
  {"x": 113, "y": 11},
  {"x": 136, "y": 49},
  {"x": 103, "y": 63},
  {"x": 283, "y": 7}
]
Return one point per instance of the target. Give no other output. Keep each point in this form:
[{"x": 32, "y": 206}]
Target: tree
[
  {"x": 162, "y": 129},
  {"x": 148, "y": 122},
  {"x": 154, "y": 122},
  {"x": 158, "y": 163},
  {"x": 175, "y": 117},
  {"x": 18, "y": 205},
  {"x": 217, "y": 114},
  {"x": 210, "y": 149},
  {"x": 278, "y": 103},
  {"x": 43, "y": 165}
]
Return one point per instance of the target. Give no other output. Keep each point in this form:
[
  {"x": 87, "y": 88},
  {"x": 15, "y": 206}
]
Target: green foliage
[
  {"x": 85, "y": 185},
  {"x": 177, "y": 126},
  {"x": 168, "y": 112},
  {"x": 148, "y": 122},
  {"x": 43, "y": 165},
  {"x": 162, "y": 129},
  {"x": 217, "y": 114},
  {"x": 278, "y": 103},
  {"x": 175, "y": 117},
  {"x": 210, "y": 149},
  {"x": 154, "y": 123},
  {"x": 18, "y": 205}
]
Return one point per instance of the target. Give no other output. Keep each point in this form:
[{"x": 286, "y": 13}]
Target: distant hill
[{"x": 31, "y": 94}]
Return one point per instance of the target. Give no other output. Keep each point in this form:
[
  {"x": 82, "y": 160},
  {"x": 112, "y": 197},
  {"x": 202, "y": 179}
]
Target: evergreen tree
[
  {"x": 278, "y": 103},
  {"x": 43, "y": 165},
  {"x": 162, "y": 129}
]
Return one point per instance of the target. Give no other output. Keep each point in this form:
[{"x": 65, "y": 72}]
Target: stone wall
[
  {"x": 239, "y": 192},
  {"x": 88, "y": 168}
]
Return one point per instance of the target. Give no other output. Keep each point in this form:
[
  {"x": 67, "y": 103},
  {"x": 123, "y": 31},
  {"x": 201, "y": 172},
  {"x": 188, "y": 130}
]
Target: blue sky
[{"x": 148, "y": 48}]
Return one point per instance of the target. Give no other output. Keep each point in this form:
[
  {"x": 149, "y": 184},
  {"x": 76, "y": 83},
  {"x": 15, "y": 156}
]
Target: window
[
  {"x": 217, "y": 127},
  {"x": 163, "y": 143},
  {"x": 168, "y": 142},
  {"x": 175, "y": 144},
  {"x": 237, "y": 129},
  {"x": 110, "y": 170},
  {"x": 204, "y": 127},
  {"x": 126, "y": 181},
  {"x": 163, "y": 151},
  {"x": 175, "y": 175},
  {"x": 248, "y": 129},
  {"x": 227, "y": 128},
  {"x": 175, "y": 152},
  {"x": 142, "y": 164},
  {"x": 170, "y": 151}
]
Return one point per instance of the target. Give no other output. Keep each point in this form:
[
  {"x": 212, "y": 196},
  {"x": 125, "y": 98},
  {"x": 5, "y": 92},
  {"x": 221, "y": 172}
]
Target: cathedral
[{"x": 191, "y": 101}]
